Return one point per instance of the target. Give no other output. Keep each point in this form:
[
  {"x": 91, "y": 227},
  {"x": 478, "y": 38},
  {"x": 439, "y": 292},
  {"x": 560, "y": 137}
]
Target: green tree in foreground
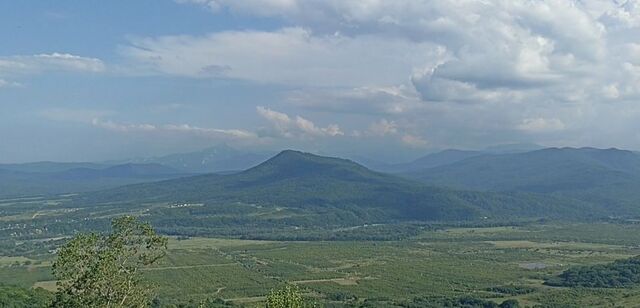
[
  {"x": 287, "y": 297},
  {"x": 96, "y": 270}
]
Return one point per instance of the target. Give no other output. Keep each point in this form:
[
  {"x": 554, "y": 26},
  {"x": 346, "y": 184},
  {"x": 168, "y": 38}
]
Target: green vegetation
[
  {"x": 48, "y": 178},
  {"x": 465, "y": 302},
  {"x": 619, "y": 274},
  {"x": 18, "y": 297},
  {"x": 347, "y": 236},
  {"x": 300, "y": 189},
  {"x": 606, "y": 180},
  {"x": 488, "y": 264},
  {"x": 287, "y": 297},
  {"x": 105, "y": 270}
]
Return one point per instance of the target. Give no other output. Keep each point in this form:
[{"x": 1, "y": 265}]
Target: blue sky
[{"x": 100, "y": 80}]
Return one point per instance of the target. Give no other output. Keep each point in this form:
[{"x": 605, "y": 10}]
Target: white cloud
[
  {"x": 74, "y": 115},
  {"x": 473, "y": 69},
  {"x": 235, "y": 134},
  {"x": 39, "y": 63},
  {"x": 414, "y": 141},
  {"x": 383, "y": 128},
  {"x": 123, "y": 128},
  {"x": 392, "y": 100},
  {"x": 537, "y": 125},
  {"x": 297, "y": 127},
  {"x": 9, "y": 84},
  {"x": 263, "y": 7},
  {"x": 293, "y": 56}
]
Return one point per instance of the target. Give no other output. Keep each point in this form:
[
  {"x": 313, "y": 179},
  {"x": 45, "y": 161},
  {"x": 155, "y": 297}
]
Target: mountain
[
  {"x": 46, "y": 166},
  {"x": 323, "y": 186},
  {"x": 606, "y": 177},
  {"x": 430, "y": 161},
  {"x": 119, "y": 171},
  {"x": 450, "y": 156},
  {"x": 214, "y": 159},
  {"x": 52, "y": 178},
  {"x": 512, "y": 148}
]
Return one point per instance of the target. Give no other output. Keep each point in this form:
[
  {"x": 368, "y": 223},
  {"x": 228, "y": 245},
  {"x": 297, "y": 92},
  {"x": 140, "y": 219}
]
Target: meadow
[{"x": 491, "y": 263}]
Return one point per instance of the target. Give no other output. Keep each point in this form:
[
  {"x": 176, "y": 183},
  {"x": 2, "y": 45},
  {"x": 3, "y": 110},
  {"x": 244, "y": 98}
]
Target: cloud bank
[{"x": 475, "y": 71}]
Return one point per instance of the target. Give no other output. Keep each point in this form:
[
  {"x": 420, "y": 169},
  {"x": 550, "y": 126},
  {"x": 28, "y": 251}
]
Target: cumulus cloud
[
  {"x": 297, "y": 127},
  {"x": 33, "y": 64},
  {"x": 293, "y": 56},
  {"x": 474, "y": 69},
  {"x": 390, "y": 100},
  {"x": 493, "y": 50}
]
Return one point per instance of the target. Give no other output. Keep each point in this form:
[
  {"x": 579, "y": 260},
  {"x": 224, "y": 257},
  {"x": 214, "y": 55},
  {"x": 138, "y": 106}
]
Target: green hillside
[
  {"x": 608, "y": 178},
  {"x": 52, "y": 178},
  {"x": 321, "y": 184}
]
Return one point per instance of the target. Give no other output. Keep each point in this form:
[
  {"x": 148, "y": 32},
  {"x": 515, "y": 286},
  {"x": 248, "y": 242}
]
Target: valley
[
  {"x": 346, "y": 235},
  {"x": 446, "y": 262}
]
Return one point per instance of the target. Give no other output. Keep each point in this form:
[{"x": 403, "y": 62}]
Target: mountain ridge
[
  {"x": 607, "y": 177},
  {"x": 301, "y": 180}
]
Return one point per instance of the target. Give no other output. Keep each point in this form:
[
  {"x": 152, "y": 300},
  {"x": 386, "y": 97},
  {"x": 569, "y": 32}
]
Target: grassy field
[{"x": 447, "y": 262}]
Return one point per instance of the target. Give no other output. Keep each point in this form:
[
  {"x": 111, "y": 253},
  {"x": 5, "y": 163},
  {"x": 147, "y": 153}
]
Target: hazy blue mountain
[
  {"x": 19, "y": 183},
  {"x": 47, "y": 166},
  {"x": 215, "y": 159},
  {"x": 450, "y": 156},
  {"x": 512, "y": 148},
  {"x": 606, "y": 177},
  {"x": 314, "y": 183},
  {"x": 119, "y": 171},
  {"x": 429, "y": 161}
]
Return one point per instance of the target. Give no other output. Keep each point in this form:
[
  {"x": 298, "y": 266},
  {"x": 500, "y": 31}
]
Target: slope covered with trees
[
  {"x": 607, "y": 178},
  {"x": 618, "y": 274},
  {"x": 309, "y": 182}
]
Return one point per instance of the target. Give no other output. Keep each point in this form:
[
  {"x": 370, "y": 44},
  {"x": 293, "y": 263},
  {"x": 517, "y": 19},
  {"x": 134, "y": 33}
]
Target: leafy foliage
[
  {"x": 512, "y": 289},
  {"x": 619, "y": 274},
  {"x": 17, "y": 297},
  {"x": 464, "y": 302},
  {"x": 104, "y": 270},
  {"x": 287, "y": 297}
]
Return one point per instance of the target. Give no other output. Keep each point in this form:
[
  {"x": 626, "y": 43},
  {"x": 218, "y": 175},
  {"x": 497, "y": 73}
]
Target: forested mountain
[
  {"x": 300, "y": 180},
  {"x": 450, "y": 156},
  {"x": 47, "y": 166},
  {"x": 606, "y": 177},
  {"x": 215, "y": 159},
  {"x": 53, "y": 178},
  {"x": 430, "y": 161}
]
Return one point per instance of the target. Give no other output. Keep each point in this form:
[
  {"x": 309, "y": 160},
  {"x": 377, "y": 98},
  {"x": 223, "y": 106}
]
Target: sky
[{"x": 101, "y": 80}]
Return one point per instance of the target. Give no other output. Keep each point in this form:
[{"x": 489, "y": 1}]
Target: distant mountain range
[
  {"x": 605, "y": 177},
  {"x": 449, "y": 185},
  {"x": 56, "y": 178},
  {"x": 220, "y": 158},
  {"x": 449, "y": 156},
  {"x": 44, "y": 178},
  {"x": 314, "y": 183}
]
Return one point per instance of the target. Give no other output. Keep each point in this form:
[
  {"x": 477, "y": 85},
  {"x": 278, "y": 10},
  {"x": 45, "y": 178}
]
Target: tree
[
  {"x": 287, "y": 297},
  {"x": 103, "y": 270},
  {"x": 510, "y": 303}
]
